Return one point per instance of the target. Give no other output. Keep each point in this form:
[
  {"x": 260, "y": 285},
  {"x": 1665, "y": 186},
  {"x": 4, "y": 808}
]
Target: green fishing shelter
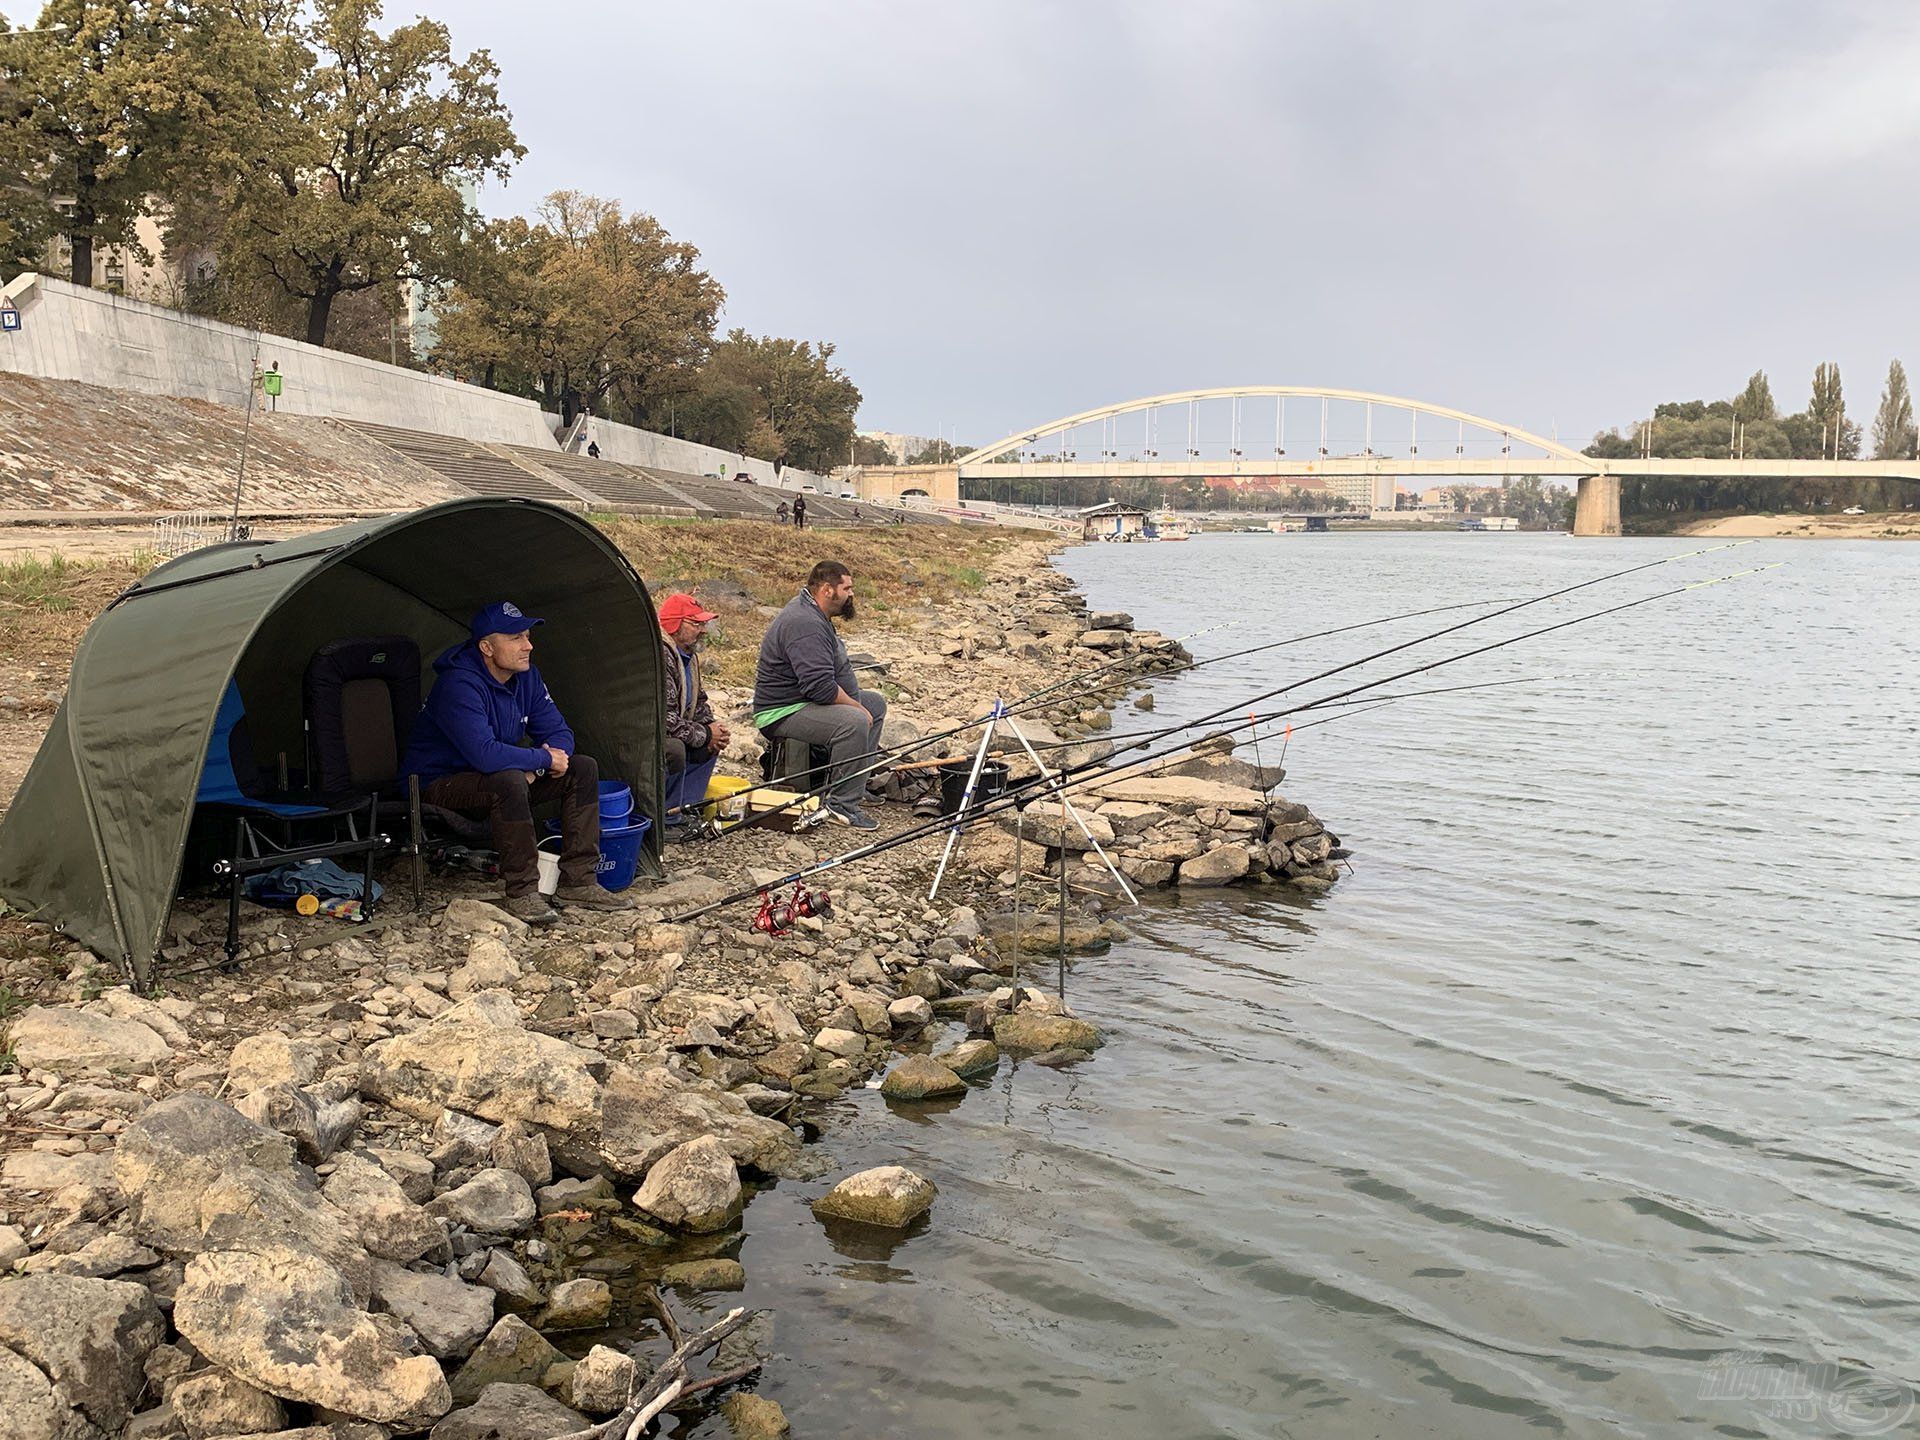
[{"x": 95, "y": 839}]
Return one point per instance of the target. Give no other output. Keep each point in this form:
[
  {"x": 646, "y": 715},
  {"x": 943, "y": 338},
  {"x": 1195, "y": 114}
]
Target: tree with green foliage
[
  {"x": 363, "y": 188},
  {"x": 1894, "y": 435},
  {"x": 1756, "y": 401},
  {"x": 585, "y": 306},
  {"x": 802, "y": 403},
  {"x": 1828, "y": 411},
  {"x": 869, "y": 451},
  {"x": 939, "y": 452},
  {"x": 92, "y": 117}
]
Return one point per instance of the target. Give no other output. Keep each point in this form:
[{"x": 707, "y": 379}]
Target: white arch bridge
[{"x": 1357, "y": 443}]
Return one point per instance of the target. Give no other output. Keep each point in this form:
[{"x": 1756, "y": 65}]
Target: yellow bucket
[{"x": 723, "y": 802}]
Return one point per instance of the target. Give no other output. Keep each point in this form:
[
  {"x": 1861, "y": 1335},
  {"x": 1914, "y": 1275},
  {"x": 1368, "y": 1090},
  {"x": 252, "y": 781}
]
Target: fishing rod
[
  {"x": 1073, "y": 779},
  {"x": 1507, "y": 608},
  {"x": 1444, "y": 631},
  {"x": 1172, "y": 727},
  {"x": 889, "y": 757},
  {"x": 885, "y": 755}
]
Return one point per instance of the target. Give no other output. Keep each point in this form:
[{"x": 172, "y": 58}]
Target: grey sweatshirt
[{"x": 802, "y": 658}]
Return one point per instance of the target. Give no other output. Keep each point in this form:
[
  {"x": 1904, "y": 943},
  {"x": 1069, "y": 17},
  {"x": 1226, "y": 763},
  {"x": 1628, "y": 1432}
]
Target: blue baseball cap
[{"x": 503, "y": 617}]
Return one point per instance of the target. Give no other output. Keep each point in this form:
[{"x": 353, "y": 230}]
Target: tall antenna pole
[{"x": 246, "y": 438}]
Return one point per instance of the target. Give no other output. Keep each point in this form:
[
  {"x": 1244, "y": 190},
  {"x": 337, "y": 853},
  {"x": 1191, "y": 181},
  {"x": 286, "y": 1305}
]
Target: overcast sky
[{"x": 1002, "y": 211}]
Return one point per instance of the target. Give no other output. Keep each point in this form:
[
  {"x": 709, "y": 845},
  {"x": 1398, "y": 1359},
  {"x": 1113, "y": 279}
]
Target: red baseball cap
[{"x": 676, "y": 610}]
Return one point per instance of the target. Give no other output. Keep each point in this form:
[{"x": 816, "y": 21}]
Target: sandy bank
[{"x": 1895, "y": 525}]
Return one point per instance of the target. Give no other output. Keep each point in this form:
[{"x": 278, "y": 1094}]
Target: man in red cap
[{"x": 694, "y": 738}]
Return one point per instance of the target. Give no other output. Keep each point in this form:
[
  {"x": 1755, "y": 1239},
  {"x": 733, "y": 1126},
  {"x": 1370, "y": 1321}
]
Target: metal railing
[{"x": 192, "y": 530}]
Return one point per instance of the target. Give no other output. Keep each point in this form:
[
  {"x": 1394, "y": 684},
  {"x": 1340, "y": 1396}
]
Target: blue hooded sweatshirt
[{"x": 472, "y": 721}]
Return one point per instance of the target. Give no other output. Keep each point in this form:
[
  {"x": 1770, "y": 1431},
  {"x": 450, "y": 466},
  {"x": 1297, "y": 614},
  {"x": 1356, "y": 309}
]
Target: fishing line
[{"x": 1017, "y": 796}]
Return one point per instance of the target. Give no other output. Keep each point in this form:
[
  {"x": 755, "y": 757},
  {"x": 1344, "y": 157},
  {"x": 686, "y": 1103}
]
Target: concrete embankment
[{"x": 428, "y": 1175}]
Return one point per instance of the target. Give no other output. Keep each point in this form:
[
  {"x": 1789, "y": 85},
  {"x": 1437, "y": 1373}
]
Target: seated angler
[
  {"x": 804, "y": 689},
  {"x": 491, "y": 741},
  {"x": 694, "y": 738}
]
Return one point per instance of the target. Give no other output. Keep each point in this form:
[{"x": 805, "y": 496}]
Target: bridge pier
[{"x": 1596, "y": 507}]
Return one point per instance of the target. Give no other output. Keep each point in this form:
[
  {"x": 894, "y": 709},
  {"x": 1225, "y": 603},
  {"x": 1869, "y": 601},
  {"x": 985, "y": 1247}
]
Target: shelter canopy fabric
[{"x": 95, "y": 838}]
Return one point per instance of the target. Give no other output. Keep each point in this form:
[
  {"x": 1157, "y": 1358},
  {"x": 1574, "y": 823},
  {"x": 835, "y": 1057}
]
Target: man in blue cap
[{"x": 491, "y": 741}]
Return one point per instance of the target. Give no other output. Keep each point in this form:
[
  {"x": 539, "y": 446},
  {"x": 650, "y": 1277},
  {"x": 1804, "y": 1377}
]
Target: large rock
[
  {"x": 450, "y": 1316},
  {"x": 1043, "y": 824},
  {"x": 1184, "y": 794},
  {"x": 513, "y": 1353},
  {"x": 89, "y": 1338},
  {"x": 1219, "y": 866},
  {"x": 582, "y": 1304},
  {"x": 910, "y": 1012},
  {"x": 378, "y": 1211},
  {"x": 604, "y": 1381},
  {"x": 919, "y": 1077},
  {"x": 510, "y": 1412},
  {"x": 248, "y": 1209},
  {"x": 54, "y": 1037},
  {"x": 1129, "y": 817},
  {"x": 495, "y": 1202},
  {"x": 29, "y": 1408},
  {"x": 271, "y": 1058},
  {"x": 692, "y": 1187},
  {"x": 888, "y": 1195},
  {"x": 476, "y": 1057},
  {"x": 1104, "y": 639},
  {"x": 970, "y": 1058},
  {"x": 646, "y": 1113},
  {"x": 843, "y": 1043},
  {"x": 168, "y": 1157},
  {"x": 754, "y": 1417},
  {"x": 287, "y": 1323},
  {"x": 215, "y": 1403},
  {"x": 1034, "y": 1033}
]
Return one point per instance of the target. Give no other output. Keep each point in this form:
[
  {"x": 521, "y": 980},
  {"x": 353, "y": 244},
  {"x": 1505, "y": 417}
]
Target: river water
[{"x": 1585, "y": 1105}]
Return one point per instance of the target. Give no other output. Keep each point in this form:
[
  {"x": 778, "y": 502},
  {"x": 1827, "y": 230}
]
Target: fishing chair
[
  {"x": 361, "y": 696},
  {"x": 269, "y": 818}
]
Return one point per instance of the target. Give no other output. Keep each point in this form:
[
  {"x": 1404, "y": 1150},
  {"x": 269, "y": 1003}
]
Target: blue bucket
[
  {"x": 616, "y": 803},
  {"x": 620, "y": 853}
]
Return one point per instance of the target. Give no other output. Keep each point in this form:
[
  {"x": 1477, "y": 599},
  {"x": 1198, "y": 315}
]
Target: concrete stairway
[
  {"x": 617, "y": 486},
  {"x": 472, "y": 467}
]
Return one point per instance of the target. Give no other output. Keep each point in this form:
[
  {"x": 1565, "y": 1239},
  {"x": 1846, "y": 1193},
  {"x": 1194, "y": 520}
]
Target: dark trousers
[
  {"x": 507, "y": 800},
  {"x": 687, "y": 775},
  {"x": 850, "y": 735}
]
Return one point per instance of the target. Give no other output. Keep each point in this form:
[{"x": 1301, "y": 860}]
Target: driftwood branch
[{"x": 669, "y": 1383}]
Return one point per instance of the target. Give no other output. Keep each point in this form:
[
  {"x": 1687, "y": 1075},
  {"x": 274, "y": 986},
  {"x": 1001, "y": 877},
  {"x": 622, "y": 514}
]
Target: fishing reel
[{"x": 777, "y": 917}]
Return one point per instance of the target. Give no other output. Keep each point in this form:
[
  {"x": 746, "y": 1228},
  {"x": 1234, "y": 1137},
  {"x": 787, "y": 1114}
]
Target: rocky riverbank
[{"x": 413, "y": 1177}]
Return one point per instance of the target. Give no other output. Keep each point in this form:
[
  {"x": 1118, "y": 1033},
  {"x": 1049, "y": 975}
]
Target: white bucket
[{"x": 548, "y": 859}]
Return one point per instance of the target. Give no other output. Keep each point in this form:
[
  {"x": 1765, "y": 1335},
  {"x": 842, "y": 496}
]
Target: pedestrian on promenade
[{"x": 799, "y": 512}]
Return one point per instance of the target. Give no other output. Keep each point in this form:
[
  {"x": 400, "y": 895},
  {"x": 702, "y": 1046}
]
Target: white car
[
  {"x": 849, "y": 494},
  {"x": 809, "y": 489},
  {"x": 1853, "y": 510}
]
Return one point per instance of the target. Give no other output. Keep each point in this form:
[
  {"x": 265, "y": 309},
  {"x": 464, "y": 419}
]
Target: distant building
[
  {"x": 1114, "y": 520},
  {"x": 902, "y": 447}
]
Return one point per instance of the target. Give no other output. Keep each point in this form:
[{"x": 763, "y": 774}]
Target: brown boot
[
  {"x": 592, "y": 897},
  {"x": 531, "y": 908}
]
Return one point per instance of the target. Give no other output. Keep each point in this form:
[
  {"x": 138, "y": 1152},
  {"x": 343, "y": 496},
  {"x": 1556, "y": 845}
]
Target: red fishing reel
[{"x": 776, "y": 917}]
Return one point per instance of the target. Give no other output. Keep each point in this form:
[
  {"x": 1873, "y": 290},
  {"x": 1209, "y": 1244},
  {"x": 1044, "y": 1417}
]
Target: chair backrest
[{"x": 361, "y": 696}]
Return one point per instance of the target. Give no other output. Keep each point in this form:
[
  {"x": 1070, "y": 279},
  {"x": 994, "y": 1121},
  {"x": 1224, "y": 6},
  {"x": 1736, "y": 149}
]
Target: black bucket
[{"x": 953, "y": 783}]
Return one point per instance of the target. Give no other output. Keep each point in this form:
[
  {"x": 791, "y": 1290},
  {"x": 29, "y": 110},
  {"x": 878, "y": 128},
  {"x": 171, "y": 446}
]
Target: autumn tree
[
  {"x": 802, "y": 403},
  {"x": 587, "y": 306},
  {"x": 92, "y": 117},
  {"x": 364, "y": 187},
  {"x": 1893, "y": 428}
]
